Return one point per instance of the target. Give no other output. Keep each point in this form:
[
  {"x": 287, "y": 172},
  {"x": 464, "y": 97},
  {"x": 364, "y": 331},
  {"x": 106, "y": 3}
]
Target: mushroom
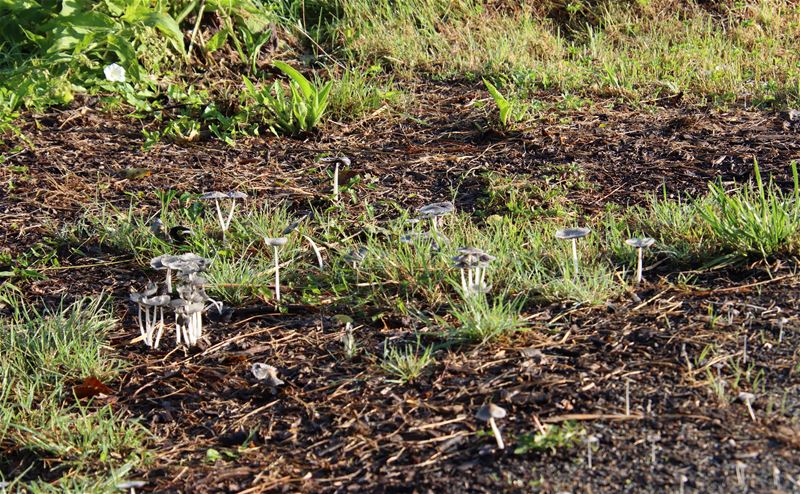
[
  {"x": 356, "y": 257},
  {"x": 159, "y": 263},
  {"x": 224, "y": 222},
  {"x": 488, "y": 413},
  {"x": 435, "y": 211},
  {"x": 157, "y": 304},
  {"x": 336, "y": 160},
  {"x": 137, "y": 297},
  {"x": 640, "y": 244},
  {"x": 748, "y": 399},
  {"x": 591, "y": 441},
  {"x": 573, "y": 234},
  {"x": 473, "y": 263},
  {"x": 275, "y": 243},
  {"x": 268, "y": 373}
]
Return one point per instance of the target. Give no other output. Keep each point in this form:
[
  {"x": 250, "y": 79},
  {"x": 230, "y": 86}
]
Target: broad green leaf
[
  {"x": 167, "y": 25},
  {"x": 305, "y": 85},
  {"x": 217, "y": 41}
]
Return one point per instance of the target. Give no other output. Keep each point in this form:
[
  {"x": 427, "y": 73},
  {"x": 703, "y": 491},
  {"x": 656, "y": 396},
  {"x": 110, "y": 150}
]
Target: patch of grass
[
  {"x": 359, "y": 92},
  {"x": 480, "y": 320},
  {"x": 44, "y": 352},
  {"x": 554, "y": 437},
  {"x": 406, "y": 364}
]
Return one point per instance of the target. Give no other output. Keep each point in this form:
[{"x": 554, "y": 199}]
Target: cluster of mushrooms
[
  {"x": 573, "y": 234},
  {"x": 188, "y": 306}
]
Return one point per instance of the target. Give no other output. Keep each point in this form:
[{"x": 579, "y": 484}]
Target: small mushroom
[
  {"x": 573, "y": 234},
  {"x": 591, "y": 443},
  {"x": 488, "y": 413},
  {"x": 276, "y": 243},
  {"x": 473, "y": 262},
  {"x": 268, "y": 373},
  {"x": 640, "y": 244},
  {"x": 356, "y": 256},
  {"x": 160, "y": 263},
  {"x": 224, "y": 222},
  {"x": 336, "y": 160},
  {"x": 435, "y": 212},
  {"x": 748, "y": 399}
]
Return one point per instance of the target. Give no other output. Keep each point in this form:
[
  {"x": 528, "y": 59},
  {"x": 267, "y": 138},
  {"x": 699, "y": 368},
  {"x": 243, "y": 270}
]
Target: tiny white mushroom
[
  {"x": 640, "y": 244},
  {"x": 573, "y": 234},
  {"x": 748, "y": 399},
  {"x": 488, "y": 413},
  {"x": 591, "y": 442},
  {"x": 276, "y": 243},
  {"x": 435, "y": 212},
  {"x": 336, "y": 160},
  {"x": 268, "y": 373},
  {"x": 216, "y": 196}
]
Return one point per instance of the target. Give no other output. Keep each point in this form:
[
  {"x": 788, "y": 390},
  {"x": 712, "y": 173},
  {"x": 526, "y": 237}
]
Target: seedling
[
  {"x": 224, "y": 222},
  {"x": 276, "y": 243},
  {"x": 573, "y": 234},
  {"x": 640, "y": 244},
  {"x": 488, "y": 413},
  {"x": 336, "y": 160}
]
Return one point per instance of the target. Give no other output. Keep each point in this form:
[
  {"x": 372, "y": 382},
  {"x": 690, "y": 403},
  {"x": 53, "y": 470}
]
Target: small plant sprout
[
  {"x": 573, "y": 234},
  {"x": 276, "y": 243},
  {"x": 748, "y": 399},
  {"x": 336, "y": 160},
  {"x": 266, "y": 373},
  {"x": 473, "y": 263},
  {"x": 435, "y": 212},
  {"x": 640, "y": 244},
  {"x": 224, "y": 221},
  {"x": 488, "y": 413}
]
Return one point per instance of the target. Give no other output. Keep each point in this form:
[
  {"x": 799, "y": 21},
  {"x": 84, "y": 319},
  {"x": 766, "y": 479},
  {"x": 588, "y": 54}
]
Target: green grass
[
  {"x": 45, "y": 352},
  {"x": 408, "y": 363}
]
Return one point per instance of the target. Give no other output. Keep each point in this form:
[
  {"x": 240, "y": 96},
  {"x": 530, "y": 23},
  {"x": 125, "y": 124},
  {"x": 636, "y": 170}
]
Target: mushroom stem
[
  {"x": 627, "y": 398},
  {"x": 575, "y": 255},
  {"x": 230, "y": 215},
  {"x": 497, "y": 435},
  {"x": 160, "y": 327},
  {"x": 463, "y": 281},
  {"x": 139, "y": 318},
  {"x": 336, "y": 181},
  {"x": 221, "y": 218},
  {"x": 316, "y": 252},
  {"x": 169, "y": 281},
  {"x": 639, "y": 268},
  {"x": 278, "y": 276}
]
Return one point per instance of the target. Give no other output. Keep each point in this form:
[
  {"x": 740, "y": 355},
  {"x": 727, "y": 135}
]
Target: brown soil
[{"x": 337, "y": 425}]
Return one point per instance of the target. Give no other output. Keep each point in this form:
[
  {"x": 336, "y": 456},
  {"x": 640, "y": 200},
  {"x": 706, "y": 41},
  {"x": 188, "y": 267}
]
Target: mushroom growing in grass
[
  {"x": 573, "y": 234},
  {"x": 640, "y": 244},
  {"x": 137, "y": 297},
  {"x": 336, "y": 160},
  {"x": 435, "y": 212},
  {"x": 356, "y": 257},
  {"x": 488, "y": 413},
  {"x": 473, "y": 263},
  {"x": 188, "y": 265},
  {"x": 224, "y": 222},
  {"x": 748, "y": 399},
  {"x": 276, "y": 243}
]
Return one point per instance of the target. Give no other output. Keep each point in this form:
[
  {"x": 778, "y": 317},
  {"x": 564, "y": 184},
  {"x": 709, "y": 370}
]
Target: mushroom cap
[
  {"x": 746, "y": 397},
  {"x": 213, "y": 196},
  {"x": 150, "y": 289},
  {"x": 490, "y": 411},
  {"x": 276, "y": 242},
  {"x": 357, "y": 255},
  {"x": 236, "y": 194},
  {"x": 436, "y": 209},
  {"x": 572, "y": 233},
  {"x": 470, "y": 251},
  {"x": 344, "y": 160},
  {"x": 157, "y": 301},
  {"x": 158, "y": 262},
  {"x": 136, "y": 297},
  {"x": 195, "y": 307},
  {"x": 178, "y": 304},
  {"x": 640, "y": 243}
]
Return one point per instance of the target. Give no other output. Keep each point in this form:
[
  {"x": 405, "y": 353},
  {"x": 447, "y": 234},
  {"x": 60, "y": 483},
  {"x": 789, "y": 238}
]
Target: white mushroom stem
[
  {"x": 177, "y": 330},
  {"x": 336, "y": 181},
  {"x": 278, "y": 275},
  {"x": 220, "y": 218},
  {"x": 639, "y": 268},
  {"x": 575, "y": 255},
  {"x": 316, "y": 251},
  {"x": 141, "y": 325},
  {"x": 497, "y": 435},
  {"x": 464, "y": 285},
  {"x": 230, "y": 214},
  {"x": 160, "y": 327},
  {"x": 169, "y": 281}
]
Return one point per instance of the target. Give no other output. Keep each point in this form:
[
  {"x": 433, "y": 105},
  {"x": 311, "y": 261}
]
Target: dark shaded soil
[{"x": 338, "y": 425}]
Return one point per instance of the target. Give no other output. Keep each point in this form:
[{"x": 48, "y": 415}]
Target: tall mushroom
[
  {"x": 488, "y": 413},
  {"x": 276, "y": 243},
  {"x": 640, "y": 244},
  {"x": 473, "y": 262},
  {"x": 336, "y": 160},
  {"x": 573, "y": 234},
  {"x": 216, "y": 196}
]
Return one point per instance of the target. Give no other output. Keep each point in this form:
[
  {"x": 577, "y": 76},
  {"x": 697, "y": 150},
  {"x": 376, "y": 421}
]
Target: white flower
[{"x": 114, "y": 73}]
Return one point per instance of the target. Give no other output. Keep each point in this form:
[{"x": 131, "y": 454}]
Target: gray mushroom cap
[
  {"x": 213, "y": 196},
  {"x": 490, "y": 411},
  {"x": 640, "y": 243},
  {"x": 344, "y": 160},
  {"x": 746, "y": 397},
  {"x": 159, "y": 261},
  {"x": 436, "y": 209},
  {"x": 157, "y": 301},
  {"x": 236, "y": 194},
  {"x": 572, "y": 233},
  {"x": 136, "y": 297},
  {"x": 187, "y": 263},
  {"x": 195, "y": 307},
  {"x": 276, "y": 242}
]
